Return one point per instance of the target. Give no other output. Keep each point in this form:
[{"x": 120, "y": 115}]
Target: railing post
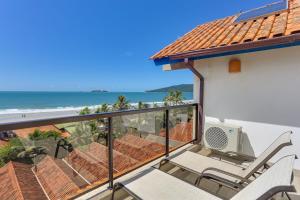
[
  {"x": 110, "y": 154},
  {"x": 201, "y": 116},
  {"x": 167, "y": 131},
  {"x": 197, "y": 127}
]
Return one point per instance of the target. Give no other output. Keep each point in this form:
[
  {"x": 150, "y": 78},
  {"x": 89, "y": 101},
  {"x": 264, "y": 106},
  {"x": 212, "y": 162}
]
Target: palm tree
[
  {"x": 178, "y": 97},
  {"x": 121, "y": 104},
  {"x": 101, "y": 123},
  {"x": 142, "y": 105},
  {"x": 174, "y": 98},
  {"x": 118, "y": 123},
  {"x": 40, "y": 135},
  {"x": 85, "y": 111},
  {"x": 103, "y": 108},
  {"x": 83, "y": 134}
]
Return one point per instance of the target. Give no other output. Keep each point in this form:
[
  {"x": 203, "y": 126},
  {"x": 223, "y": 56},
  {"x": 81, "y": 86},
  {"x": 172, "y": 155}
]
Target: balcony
[
  {"x": 65, "y": 158},
  {"x": 84, "y": 157}
]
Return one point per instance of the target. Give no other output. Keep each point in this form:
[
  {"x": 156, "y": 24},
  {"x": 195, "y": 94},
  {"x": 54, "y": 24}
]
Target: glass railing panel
[
  {"x": 65, "y": 158},
  {"x": 181, "y": 126},
  {"x": 137, "y": 140}
]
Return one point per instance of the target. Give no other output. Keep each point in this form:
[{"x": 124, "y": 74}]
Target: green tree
[
  {"x": 103, "y": 108},
  {"x": 101, "y": 124},
  {"x": 142, "y": 105},
  {"x": 10, "y": 151},
  {"x": 85, "y": 111},
  {"x": 122, "y": 103},
  {"x": 40, "y": 135},
  {"x": 173, "y": 98},
  {"x": 82, "y": 134},
  {"x": 118, "y": 123}
]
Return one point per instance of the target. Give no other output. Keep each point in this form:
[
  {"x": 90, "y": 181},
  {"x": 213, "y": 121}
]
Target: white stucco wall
[{"x": 264, "y": 98}]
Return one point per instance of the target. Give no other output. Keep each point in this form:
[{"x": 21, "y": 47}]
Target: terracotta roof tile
[
  {"x": 55, "y": 182},
  {"x": 17, "y": 182},
  {"x": 138, "y": 148},
  {"x": 9, "y": 187},
  {"x": 73, "y": 175},
  {"x": 279, "y": 25},
  {"x": 241, "y": 34},
  {"x": 226, "y": 32},
  {"x": 253, "y": 31},
  {"x": 182, "y": 132},
  {"x": 90, "y": 168},
  {"x": 293, "y": 25},
  {"x": 60, "y": 181},
  {"x": 265, "y": 29},
  {"x": 100, "y": 153},
  {"x": 27, "y": 181}
]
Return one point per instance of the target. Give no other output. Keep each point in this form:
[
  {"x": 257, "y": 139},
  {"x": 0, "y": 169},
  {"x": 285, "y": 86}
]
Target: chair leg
[
  {"x": 198, "y": 180},
  {"x": 163, "y": 162},
  {"x": 288, "y": 196},
  {"x": 116, "y": 187}
]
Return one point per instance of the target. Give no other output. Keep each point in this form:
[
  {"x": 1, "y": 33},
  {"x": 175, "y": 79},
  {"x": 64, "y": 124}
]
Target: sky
[{"x": 82, "y": 45}]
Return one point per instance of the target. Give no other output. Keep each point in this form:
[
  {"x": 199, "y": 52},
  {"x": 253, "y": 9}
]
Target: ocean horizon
[{"x": 30, "y": 102}]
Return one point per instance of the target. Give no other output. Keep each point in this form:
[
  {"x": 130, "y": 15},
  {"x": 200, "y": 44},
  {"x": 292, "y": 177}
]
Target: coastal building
[
  {"x": 246, "y": 78},
  {"x": 246, "y": 67}
]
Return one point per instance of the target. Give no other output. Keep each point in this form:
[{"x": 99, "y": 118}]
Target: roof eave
[{"x": 261, "y": 45}]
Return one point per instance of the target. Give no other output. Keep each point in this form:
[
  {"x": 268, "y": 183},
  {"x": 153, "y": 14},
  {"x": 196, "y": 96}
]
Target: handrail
[
  {"x": 109, "y": 115},
  {"x": 78, "y": 118}
]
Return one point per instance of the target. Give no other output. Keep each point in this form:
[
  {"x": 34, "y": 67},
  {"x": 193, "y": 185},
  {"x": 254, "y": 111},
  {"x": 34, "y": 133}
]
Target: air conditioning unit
[{"x": 222, "y": 137}]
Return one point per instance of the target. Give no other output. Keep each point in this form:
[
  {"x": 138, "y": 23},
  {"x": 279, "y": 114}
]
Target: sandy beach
[
  {"x": 27, "y": 116},
  {"x": 17, "y": 117}
]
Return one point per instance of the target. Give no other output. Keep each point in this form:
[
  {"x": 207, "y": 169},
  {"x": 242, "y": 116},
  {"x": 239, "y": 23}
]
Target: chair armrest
[{"x": 206, "y": 172}]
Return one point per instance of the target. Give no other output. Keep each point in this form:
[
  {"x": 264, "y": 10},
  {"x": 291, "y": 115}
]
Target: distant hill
[{"x": 182, "y": 88}]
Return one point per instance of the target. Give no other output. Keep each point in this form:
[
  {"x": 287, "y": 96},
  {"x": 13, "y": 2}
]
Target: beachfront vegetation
[
  {"x": 10, "y": 151},
  {"x": 142, "y": 105},
  {"x": 85, "y": 111},
  {"x": 174, "y": 97},
  {"x": 82, "y": 134},
  {"x": 41, "y": 135},
  {"x": 35, "y": 145},
  {"x": 121, "y": 104},
  {"x": 103, "y": 108}
]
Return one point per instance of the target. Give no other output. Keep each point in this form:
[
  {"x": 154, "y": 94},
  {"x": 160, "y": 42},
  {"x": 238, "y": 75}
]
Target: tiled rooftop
[
  {"x": 182, "y": 132},
  {"x": 227, "y": 32},
  {"x": 14, "y": 179},
  {"x": 83, "y": 168},
  {"x": 55, "y": 182}
]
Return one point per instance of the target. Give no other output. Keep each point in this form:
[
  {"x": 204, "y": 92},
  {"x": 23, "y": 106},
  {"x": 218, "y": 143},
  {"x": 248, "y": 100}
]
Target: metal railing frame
[{"x": 109, "y": 116}]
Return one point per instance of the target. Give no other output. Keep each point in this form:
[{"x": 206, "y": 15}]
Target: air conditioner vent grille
[{"x": 216, "y": 138}]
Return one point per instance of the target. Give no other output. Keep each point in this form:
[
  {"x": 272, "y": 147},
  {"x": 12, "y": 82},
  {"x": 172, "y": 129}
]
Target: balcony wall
[{"x": 263, "y": 98}]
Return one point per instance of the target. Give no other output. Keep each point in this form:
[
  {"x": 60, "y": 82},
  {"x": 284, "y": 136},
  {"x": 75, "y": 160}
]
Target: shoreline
[{"x": 35, "y": 114}]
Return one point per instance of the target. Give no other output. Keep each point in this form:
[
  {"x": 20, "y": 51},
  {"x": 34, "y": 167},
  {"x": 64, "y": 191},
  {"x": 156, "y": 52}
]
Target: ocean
[{"x": 27, "y": 102}]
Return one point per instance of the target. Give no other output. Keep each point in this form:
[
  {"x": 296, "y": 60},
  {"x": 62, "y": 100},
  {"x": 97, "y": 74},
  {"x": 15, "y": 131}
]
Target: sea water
[{"x": 27, "y": 102}]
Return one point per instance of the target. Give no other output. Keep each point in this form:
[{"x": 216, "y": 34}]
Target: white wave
[
  {"x": 44, "y": 110},
  {"x": 64, "y": 109}
]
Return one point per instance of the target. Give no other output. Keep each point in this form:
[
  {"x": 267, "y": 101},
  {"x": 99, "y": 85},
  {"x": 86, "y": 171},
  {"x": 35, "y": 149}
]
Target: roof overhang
[{"x": 261, "y": 45}]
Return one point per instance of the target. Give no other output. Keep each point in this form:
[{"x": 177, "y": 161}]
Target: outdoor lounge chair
[
  {"x": 158, "y": 185},
  {"x": 224, "y": 172}
]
